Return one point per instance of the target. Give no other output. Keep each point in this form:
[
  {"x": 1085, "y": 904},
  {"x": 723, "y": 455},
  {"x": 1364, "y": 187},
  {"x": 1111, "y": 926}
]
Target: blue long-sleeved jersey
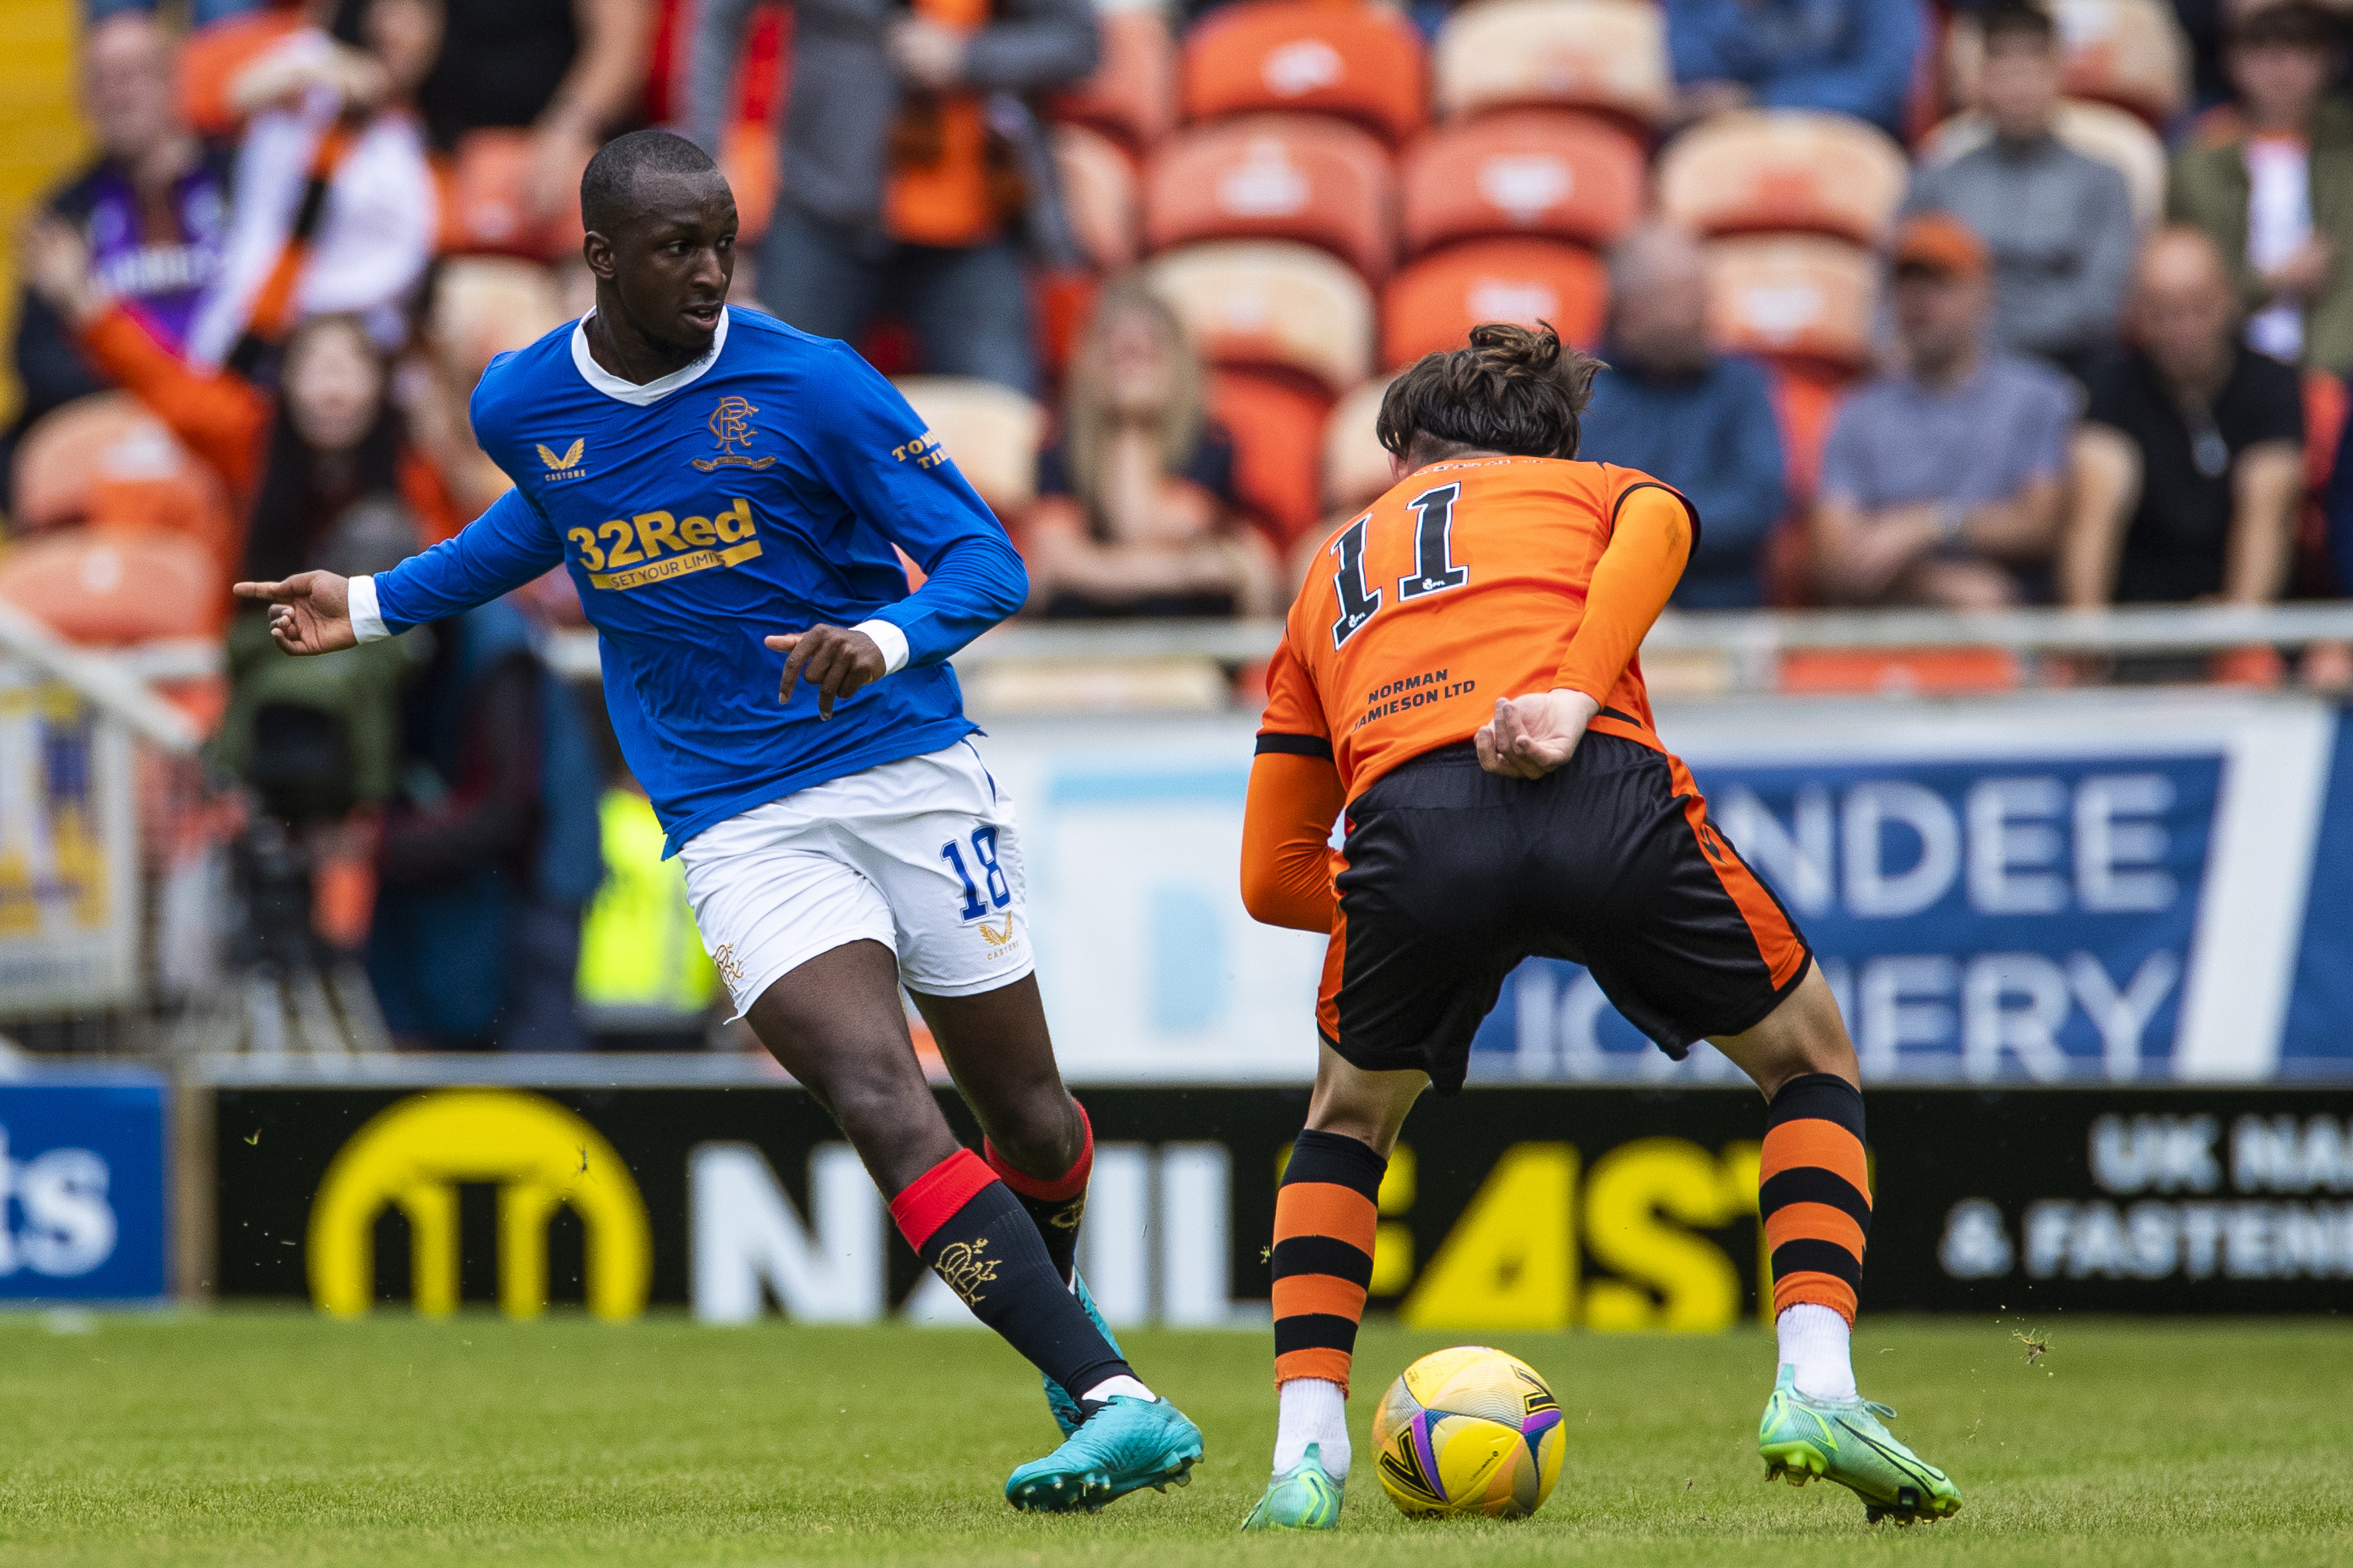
[{"x": 758, "y": 491}]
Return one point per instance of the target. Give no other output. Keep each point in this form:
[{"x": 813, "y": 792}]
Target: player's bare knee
[{"x": 1038, "y": 1131}]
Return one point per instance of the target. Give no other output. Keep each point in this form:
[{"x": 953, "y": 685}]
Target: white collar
[{"x": 613, "y": 386}]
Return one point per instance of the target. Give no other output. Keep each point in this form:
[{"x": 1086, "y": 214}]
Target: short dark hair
[
  {"x": 2030, "y": 24},
  {"x": 2290, "y": 24},
  {"x": 1511, "y": 391},
  {"x": 609, "y": 183}
]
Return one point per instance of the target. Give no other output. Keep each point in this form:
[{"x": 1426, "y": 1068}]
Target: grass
[{"x": 279, "y": 1438}]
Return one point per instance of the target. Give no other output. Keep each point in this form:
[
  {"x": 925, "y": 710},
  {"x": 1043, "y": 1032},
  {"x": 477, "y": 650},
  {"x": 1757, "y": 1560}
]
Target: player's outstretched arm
[{"x": 310, "y": 613}]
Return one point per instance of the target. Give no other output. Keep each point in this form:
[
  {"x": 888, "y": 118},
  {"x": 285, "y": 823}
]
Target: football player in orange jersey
[{"x": 1459, "y": 686}]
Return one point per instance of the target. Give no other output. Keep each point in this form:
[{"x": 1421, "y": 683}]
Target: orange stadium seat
[
  {"x": 106, "y": 461},
  {"x": 488, "y": 198},
  {"x": 2130, "y": 53},
  {"x": 1276, "y": 425},
  {"x": 109, "y": 586},
  {"x": 1132, "y": 97},
  {"x": 1098, "y": 193},
  {"x": 211, "y": 58},
  {"x": 1271, "y": 304},
  {"x": 1275, "y": 176},
  {"x": 1434, "y": 303},
  {"x": 1783, "y": 171},
  {"x": 1358, "y": 60},
  {"x": 991, "y": 432},
  {"x": 2097, "y": 130},
  {"x": 1607, "y": 55},
  {"x": 1798, "y": 297},
  {"x": 1356, "y": 464},
  {"x": 1557, "y": 174}
]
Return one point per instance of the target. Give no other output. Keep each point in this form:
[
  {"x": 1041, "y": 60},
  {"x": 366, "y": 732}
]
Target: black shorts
[{"x": 1454, "y": 875}]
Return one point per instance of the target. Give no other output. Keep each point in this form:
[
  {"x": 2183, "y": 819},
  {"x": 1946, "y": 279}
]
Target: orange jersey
[{"x": 1466, "y": 583}]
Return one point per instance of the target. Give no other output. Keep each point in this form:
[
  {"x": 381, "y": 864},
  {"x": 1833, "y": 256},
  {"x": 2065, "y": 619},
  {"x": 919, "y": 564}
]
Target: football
[{"x": 1468, "y": 1431}]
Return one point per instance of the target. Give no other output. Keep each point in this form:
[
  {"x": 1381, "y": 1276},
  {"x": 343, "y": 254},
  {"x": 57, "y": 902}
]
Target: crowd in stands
[{"x": 1963, "y": 303}]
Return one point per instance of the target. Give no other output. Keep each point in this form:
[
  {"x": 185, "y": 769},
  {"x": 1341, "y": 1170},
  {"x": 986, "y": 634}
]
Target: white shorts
[{"x": 920, "y": 854}]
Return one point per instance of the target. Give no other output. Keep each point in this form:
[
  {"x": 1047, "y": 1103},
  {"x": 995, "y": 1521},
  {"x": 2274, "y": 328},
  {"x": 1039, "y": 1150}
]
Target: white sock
[
  {"x": 1111, "y": 1385},
  {"x": 1814, "y": 1340},
  {"x": 1313, "y": 1411}
]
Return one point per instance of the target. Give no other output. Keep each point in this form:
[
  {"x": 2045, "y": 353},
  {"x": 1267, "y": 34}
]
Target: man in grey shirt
[
  {"x": 1942, "y": 486},
  {"x": 906, "y": 153},
  {"x": 2060, "y": 226}
]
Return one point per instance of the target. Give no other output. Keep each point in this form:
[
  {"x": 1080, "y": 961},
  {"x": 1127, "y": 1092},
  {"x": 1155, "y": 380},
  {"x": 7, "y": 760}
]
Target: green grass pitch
[{"x": 280, "y": 1438}]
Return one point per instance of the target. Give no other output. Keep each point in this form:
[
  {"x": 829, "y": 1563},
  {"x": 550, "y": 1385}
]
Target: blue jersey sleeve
[
  {"x": 871, "y": 447},
  {"x": 496, "y": 553}
]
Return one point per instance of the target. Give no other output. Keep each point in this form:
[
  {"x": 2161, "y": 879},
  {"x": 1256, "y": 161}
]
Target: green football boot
[
  {"x": 1304, "y": 1496},
  {"x": 1065, "y": 1409},
  {"x": 1122, "y": 1444},
  {"x": 1842, "y": 1441}
]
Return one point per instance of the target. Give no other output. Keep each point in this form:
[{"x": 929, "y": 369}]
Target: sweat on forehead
[{"x": 609, "y": 187}]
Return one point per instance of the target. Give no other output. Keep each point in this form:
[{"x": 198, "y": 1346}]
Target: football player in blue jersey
[{"x": 726, "y": 493}]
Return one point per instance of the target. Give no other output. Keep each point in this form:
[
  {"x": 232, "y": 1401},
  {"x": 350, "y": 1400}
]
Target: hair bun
[{"x": 1507, "y": 346}]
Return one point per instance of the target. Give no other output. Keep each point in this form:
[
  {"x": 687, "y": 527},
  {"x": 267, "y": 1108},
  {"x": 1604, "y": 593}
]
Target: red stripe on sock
[
  {"x": 1067, "y": 1186},
  {"x": 933, "y": 1198}
]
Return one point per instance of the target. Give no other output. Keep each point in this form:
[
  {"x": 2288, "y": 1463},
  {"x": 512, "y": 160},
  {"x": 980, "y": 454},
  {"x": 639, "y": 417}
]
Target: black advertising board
[{"x": 1519, "y": 1207}]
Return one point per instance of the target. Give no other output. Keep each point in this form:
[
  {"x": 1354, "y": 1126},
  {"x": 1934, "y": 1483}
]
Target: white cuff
[
  {"x": 886, "y": 636},
  {"x": 368, "y": 619}
]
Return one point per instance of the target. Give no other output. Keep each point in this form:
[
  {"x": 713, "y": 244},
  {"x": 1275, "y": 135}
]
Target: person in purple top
[{"x": 152, "y": 206}]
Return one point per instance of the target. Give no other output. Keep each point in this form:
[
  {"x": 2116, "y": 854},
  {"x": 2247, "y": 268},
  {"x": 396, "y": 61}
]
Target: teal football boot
[
  {"x": 1841, "y": 1440},
  {"x": 1304, "y": 1496},
  {"x": 1058, "y": 1398},
  {"x": 1123, "y": 1445}
]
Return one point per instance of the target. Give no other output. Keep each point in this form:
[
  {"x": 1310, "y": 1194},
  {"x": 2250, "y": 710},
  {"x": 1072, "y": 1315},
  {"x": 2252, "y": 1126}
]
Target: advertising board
[
  {"x": 1532, "y": 1207},
  {"x": 81, "y": 1189}
]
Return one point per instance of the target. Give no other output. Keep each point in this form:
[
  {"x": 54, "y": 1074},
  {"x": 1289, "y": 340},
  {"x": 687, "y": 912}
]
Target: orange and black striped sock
[
  {"x": 1815, "y": 1193},
  {"x": 1325, "y": 1216}
]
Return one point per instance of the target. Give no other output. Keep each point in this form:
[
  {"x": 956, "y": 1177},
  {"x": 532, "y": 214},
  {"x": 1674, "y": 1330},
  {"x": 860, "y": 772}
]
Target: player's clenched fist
[
  {"x": 310, "y": 612},
  {"x": 834, "y": 659},
  {"x": 1530, "y": 736}
]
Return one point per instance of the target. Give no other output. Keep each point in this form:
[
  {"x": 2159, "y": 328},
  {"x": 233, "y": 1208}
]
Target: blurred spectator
[
  {"x": 567, "y": 70},
  {"x": 1852, "y": 56},
  {"x": 489, "y": 847},
  {"x": 2060, "y": 224},
  {"x": 1135, "y": 513},
  {"x": 907, "y": 165},
  {"x": 2273, "y": 185},
  {"x": 293, "y": 463},
  {"x": 2188, "y": 469},
  {"x": 335, "y": 119},
  {"x": 1942, "y": 484},
  {"x": 1701, "y": 422},
  {"x": 152, "y": 206}
]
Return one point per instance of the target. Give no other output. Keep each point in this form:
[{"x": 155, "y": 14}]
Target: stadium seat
[
  {"x": 112, "y": 586},
  {"x": 106, "y": 461},
  {"x": 991, "y": 432},
  {"x": 1132, "y": 97},
  {"x": 1900, "y": 672},
  {"x": 1271, "y": 304},
  {"x": 1277, "y": 427},
  {"x": 748, "y": 158},
  {"x": 1356, "y": 464},
  {"x": 1558, "y": 175},
  {"x": 209, "y": 60},
  {"x": 1607, "y": 55},
  {"x": 487, "y": 206},
  {"x": 1798, "y": 297},
  {"x": 1358, "y": 60},
  {"x": 2098, "y": 130},
  {"x": 1804, "y": 397},
  {"x": 1434, "y": 303},
  {"x": 1783, "y": 171},
  {"x": 1098, "y": 193},
  {"x": 1275, "y": 176},
  {"x": 2130, "y": 53}
]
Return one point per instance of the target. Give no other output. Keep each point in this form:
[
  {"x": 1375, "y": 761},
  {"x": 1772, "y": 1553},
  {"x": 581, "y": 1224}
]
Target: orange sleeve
[
  {"x": 219, "y": 416},
  {"x": 1286, "y": 838},
  {"x": 1638, "y": 569}
]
